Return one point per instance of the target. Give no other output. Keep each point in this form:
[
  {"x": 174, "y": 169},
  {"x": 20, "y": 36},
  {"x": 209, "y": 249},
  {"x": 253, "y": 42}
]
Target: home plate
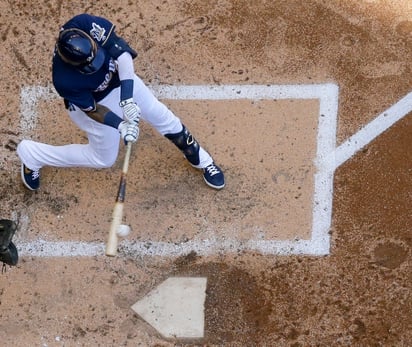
[{"x": 176, "y": 307}]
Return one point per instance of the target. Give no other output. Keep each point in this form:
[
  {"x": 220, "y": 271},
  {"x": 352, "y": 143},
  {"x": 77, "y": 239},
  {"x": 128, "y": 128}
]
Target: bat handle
[{"x": 125, "y": 168}]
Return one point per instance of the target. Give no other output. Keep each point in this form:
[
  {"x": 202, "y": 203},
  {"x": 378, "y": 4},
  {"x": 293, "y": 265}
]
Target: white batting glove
[
  {"x": 129, "y": 131},
  {"x": 131, "y": 111}
]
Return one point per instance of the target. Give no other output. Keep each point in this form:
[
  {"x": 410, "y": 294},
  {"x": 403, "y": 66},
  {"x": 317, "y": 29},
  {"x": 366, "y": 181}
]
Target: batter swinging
[{"x": 93, "y": 72}]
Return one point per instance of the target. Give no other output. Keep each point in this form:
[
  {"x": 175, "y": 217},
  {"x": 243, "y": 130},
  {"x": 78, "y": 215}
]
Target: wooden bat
[{"x": 117, "y": 215}]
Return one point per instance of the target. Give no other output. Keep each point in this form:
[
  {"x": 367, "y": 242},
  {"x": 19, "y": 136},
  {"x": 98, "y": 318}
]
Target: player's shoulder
[{"x": 99, "y": 28}]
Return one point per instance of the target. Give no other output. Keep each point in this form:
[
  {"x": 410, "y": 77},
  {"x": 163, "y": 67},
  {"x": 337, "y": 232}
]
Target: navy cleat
[
  {"x": 30, "y": 178},
  {"x": 213, "y": 176}
]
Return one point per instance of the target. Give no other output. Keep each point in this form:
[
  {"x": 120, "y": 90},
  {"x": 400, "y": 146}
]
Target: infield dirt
[{"x": 359, "y": 295}]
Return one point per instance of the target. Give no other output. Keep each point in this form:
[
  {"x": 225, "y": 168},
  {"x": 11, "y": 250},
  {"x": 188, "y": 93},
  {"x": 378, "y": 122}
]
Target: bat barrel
[{"x": 111, "y": 246}]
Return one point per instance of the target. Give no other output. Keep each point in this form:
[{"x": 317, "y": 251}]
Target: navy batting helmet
[{"x": 77, "y": 48}]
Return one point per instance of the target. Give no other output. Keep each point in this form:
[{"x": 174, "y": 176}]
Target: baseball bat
[{"x": 117, "y": 215}]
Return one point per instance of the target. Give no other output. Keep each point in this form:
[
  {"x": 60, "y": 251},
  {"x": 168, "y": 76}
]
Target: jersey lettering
[{"x": 108, "y": 76}]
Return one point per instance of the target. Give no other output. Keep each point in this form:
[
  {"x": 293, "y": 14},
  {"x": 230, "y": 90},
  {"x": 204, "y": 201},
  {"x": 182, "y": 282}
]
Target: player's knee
[{"x": 105, "y": 161}]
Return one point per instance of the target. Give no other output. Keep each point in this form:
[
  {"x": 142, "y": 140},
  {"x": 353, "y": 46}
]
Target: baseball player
[{"x": 93, "y": 72}]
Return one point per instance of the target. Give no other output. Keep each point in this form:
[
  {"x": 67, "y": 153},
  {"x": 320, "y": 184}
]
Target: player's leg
[
  {"x": 100, "y": 152},
  {"x": 168, "y": 124},
  {"x": 103, "y": 141}
]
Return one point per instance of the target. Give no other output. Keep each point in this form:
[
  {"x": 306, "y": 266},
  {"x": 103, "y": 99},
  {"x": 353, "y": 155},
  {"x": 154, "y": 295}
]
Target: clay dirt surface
[{"x": 358, "y": 295}]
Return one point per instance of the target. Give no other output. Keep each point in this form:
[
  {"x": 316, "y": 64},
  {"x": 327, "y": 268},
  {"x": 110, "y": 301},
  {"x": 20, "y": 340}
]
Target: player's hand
[
  {"x": 131, "y": 111},
  {"x": 129, "y": 131}
]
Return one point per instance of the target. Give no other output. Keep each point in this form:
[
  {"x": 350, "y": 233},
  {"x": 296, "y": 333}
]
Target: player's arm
[
  {"x": 131, "y": 110},
  {"x": 103, "y": 115},
  {"x": 95, "y": 111},
  {"x": 88, "y": 105},
  {"x": 128, "y": 130},
  {"x": 85, "y": 102},
  {"x": 126, "y": 74},
  {"x": 120, "y": 50}
]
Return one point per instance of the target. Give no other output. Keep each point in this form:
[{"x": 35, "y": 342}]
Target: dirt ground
[{"x": 359, "y": 295}]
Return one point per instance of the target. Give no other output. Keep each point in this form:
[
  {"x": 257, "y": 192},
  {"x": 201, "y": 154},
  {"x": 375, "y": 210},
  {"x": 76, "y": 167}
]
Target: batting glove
[
  {"x": 131, "y": 111},
  {"x": 129, "y": 131}
]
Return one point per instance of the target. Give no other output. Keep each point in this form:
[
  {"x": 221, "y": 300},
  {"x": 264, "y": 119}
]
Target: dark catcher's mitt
[{"x": 8, "y": 251}]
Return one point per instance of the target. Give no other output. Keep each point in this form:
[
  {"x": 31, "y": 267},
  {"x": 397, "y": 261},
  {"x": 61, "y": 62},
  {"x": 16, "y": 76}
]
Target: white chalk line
[
  {"x": 134, "y": 249},
  {"x": 319, "y": 244},
  {"x": 372, "y": 130},
  {"x": 29, "y": 100}
]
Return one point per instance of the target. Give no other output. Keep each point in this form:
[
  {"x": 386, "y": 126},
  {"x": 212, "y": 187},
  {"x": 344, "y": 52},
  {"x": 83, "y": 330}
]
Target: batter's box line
[
  {"x": 136, "y": 249},
  {"x": 319, "y": 243}
]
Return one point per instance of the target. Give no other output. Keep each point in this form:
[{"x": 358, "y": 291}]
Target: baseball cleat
[
  {"x": 213, "y": 176},
  {"x": 30, "y": 178}
]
